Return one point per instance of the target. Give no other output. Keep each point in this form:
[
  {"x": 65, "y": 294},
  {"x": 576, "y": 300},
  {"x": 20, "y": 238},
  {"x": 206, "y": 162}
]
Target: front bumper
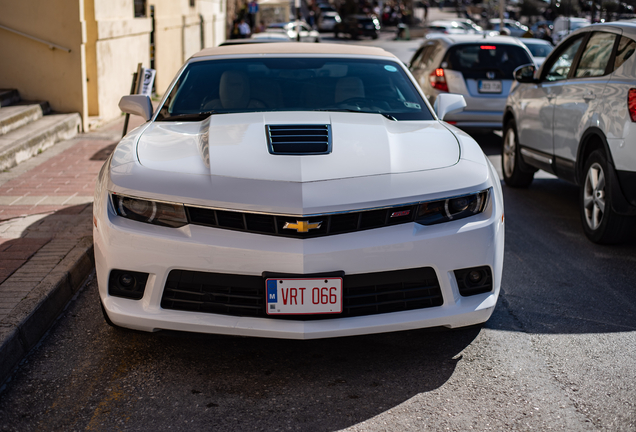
[{"x": 125, "y": 244}]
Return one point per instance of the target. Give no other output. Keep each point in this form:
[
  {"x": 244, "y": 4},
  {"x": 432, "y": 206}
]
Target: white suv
[{"x": 574, "y": 117}]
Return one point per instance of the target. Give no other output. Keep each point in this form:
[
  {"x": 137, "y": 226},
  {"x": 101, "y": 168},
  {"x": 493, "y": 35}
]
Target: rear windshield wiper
[{"x": 188, "y": 117}]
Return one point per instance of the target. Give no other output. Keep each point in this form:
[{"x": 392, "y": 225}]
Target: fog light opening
[
  {"x": 474, "y": 280},
  {"x": 127, "y": 284}
]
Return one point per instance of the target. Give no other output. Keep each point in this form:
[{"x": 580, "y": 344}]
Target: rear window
[{"x": 474, "y": 60}]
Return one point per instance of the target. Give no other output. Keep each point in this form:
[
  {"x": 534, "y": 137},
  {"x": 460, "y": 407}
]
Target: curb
[{"x": 35, "y": 314}]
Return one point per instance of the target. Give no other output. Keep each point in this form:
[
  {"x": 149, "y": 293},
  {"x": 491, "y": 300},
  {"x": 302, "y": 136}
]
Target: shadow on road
[
  {"x": 555, "y": 280},
  {"x": 114, "y": 379}
]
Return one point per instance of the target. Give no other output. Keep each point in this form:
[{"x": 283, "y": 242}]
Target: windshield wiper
[
  {"x": 389, "y": 116},
  {"x": 188, "y": 117}
]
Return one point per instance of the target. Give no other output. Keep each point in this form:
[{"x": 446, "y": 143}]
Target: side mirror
[
  {"x": 525, "y": 74},
  {"x": 138, "y": 105},
  {"x": 448, "y": 104}
]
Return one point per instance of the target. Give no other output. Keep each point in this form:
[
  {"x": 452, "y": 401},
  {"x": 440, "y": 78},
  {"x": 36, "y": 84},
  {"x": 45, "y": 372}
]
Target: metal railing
[{"x": 50, "y": 44}]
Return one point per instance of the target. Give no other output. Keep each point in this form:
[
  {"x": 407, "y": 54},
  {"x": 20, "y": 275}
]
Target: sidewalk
[{"x": 46, "y": 244}]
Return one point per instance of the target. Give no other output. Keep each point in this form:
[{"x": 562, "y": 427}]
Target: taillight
[
  {"x": 438, "y": 80},
  {"x": 631, "y": 103}
]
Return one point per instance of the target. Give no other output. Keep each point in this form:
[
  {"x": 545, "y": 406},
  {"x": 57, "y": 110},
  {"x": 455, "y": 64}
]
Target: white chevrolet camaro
[{"x": 297, "y": 191}]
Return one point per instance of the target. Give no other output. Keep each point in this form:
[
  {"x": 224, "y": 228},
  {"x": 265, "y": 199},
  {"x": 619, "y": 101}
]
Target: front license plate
[
  {"x": 304, "y": 296},
  {"x": 489, "y": 86}
]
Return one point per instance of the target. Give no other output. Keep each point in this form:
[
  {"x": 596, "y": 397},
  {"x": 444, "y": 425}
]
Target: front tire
[
  {"x": 601, "y": 223},
  {"x": 511, "y": 163}
]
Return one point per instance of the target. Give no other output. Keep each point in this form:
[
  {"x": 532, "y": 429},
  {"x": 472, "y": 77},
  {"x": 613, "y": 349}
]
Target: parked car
[
  {"x": 515, "y": 27},
  {"x": 477, "y": 67},
  {"x": 258, "y": 38},
  {"x": 328, "y": 21},
  {"x": 574, "y": 117},
  {"x": 358, "y": 25},
  {"x": 539, "y": 49},
  {"x": 470, "y": 25},
  {"x": 448, "y": 27},
  {"x": 307, "y": 34},
  {"x": 563, "y": 26},
  {"x": 294, "y": 190}
]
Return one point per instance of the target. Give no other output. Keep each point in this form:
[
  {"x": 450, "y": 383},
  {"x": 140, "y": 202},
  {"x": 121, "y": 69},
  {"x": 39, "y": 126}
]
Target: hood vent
[{"x": 298, "y": 139}]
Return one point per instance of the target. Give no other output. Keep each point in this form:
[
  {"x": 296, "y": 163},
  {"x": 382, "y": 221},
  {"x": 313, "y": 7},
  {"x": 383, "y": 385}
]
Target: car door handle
[{"x": 588, "y": 97}]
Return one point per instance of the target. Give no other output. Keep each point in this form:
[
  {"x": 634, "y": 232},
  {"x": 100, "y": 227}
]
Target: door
[
  {"x": 581, "y": 94},
  {"x": 535, "y": 118}
]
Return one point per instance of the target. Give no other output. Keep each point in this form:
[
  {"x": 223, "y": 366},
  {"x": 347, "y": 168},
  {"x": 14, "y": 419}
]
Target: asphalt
[{"x": 46, "y": 244}]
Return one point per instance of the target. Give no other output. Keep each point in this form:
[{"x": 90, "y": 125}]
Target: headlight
[
  {"x": 434, "y": 212},
  {"x": 152, "y": 212}
]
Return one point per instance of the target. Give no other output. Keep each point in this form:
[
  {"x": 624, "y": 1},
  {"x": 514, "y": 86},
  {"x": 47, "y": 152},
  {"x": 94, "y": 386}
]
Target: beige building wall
[
  {"x": 106, "y": 42},
  {"x": 181, "y": 30},
  {"x": 37, "y": 71},
  {"x": 120, "y": 41}
]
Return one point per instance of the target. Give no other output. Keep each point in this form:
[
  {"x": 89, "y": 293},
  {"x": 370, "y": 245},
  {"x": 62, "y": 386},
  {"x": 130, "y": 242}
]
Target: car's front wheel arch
[
  {"x": 592, "y": 140},
  {"x": 600, "y": 202}
]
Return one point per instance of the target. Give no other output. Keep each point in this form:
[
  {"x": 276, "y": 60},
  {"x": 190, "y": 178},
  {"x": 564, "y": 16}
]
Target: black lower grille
[{"x": 364, "y": 294}]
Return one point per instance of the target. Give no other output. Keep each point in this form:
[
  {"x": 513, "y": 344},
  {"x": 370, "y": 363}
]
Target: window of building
[{"x": 140, "y": 8}]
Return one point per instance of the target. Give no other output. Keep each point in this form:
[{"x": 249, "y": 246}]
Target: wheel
[
  {"x": 600, "y": 223},
  {"x": 374, "y": 36},
  {"x": 511, "y": 163}
]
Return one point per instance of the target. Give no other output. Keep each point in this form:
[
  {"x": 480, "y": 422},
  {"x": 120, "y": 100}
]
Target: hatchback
[
  {"x": 574, "y": 117},
  {"x": 477, "y": 67}
]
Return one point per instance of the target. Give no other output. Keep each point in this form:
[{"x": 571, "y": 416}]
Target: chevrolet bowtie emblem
[{"x": 302, "y": 226}]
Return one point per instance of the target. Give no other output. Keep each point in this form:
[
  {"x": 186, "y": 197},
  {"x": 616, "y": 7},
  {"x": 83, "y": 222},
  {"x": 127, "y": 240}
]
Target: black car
[{"x": 358, "y": 25}]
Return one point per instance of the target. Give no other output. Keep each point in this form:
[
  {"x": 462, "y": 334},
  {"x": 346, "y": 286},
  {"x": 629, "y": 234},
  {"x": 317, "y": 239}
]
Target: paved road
[{"x": 559, "y": 353}]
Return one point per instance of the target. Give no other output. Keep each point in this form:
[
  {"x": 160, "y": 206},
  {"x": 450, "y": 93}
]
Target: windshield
[{"x": 293, "y": 84}]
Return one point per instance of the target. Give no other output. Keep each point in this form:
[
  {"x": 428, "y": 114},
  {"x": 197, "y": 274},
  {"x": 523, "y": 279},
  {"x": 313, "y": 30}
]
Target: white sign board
[{"x": 147, "y": 79}]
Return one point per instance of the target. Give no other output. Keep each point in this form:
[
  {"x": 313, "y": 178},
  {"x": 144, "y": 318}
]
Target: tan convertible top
[{"x": 294, "y": 48}]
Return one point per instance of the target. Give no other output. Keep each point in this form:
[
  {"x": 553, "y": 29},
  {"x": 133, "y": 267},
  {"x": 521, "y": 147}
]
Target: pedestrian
[
  {"x": 244, "y": 29},
  {"x": 252, "y": 10},
  {"x": 236, "y": 32},
  {"x": 425, "y": 4}
]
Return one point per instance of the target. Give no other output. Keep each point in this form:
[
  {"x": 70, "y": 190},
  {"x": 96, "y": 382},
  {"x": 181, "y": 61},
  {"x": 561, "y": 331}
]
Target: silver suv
[
  {"x": 574, "y": 117},
  {"x": 479, "y": 67}
]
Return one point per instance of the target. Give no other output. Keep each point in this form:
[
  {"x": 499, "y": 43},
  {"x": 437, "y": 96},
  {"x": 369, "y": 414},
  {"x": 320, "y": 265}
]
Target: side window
[
  {"x": 424, "y": 58},
  {"x": 417, "y": 59},
  {"x": 626, "y": 48},
  {"x": 596, "y": 55},
  {"x": 560, "y": 64}
]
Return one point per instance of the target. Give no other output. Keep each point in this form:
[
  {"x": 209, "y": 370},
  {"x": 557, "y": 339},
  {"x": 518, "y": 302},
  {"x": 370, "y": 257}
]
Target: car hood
[{"x": 235, "y": 145}]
